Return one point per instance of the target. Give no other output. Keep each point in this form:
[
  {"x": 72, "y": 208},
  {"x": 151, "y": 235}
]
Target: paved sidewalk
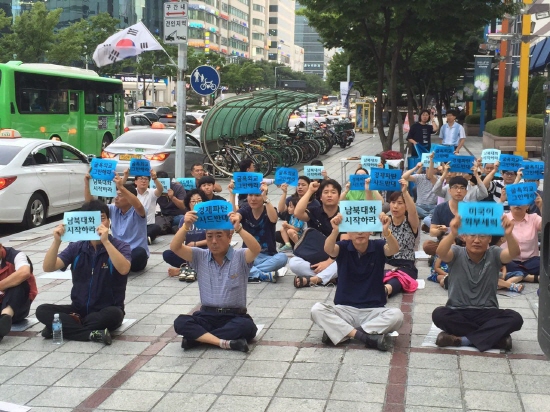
[{"x": 287, "y": 369}]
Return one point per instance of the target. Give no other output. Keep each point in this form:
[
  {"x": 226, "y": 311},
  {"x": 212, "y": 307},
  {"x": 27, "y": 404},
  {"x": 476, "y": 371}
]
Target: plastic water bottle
[{"x": 57, "y": 330}]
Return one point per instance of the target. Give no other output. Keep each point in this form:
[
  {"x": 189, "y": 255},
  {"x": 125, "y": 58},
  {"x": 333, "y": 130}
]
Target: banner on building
[
  {"x": 345, "y": 88},
  {"x": 468, "y": 88},
  {"x": 482, "y": 77}
]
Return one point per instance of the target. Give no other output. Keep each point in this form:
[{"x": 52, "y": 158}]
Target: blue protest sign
[
  {"x": 81, "y": 226},
  {"x": 247, "y": 183},
  {"x": 368, "y": 162},
  {"x": 481, "y": 218},
  {"x": 426, "y": 160},
  {"x": 462, "y": 164},
  {"x": 385, "y": 179},
  {"x": 314, "y": 172},
  {"x": 521, "y": 194},
  {"x": 286, "y": 175},
  {"x": 490, "y": 156},
  {"x": 165, "y": 184},
  {"x": 510, "y": 162},
  {"x": 104, "y": 188},
  {"x": 360, "y": 215},
  {"x": 533, "y": 170},
  {"x": 213, "y": 214},
  {"x": 357, "y": 182},
  {"x": 442, "y": 153},
  {"x": 205, "y": 80},
  {"x": 103, "y": 168},
  {"x": 140, "y": 167},
  {"x": 188, "y": 183}
]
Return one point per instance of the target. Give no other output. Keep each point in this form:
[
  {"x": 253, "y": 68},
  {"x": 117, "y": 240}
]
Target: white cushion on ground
[
  {"x": 430, "y": 338},
  {"x": 21, "y": 326},
  {"x": 58, "y": 274}
]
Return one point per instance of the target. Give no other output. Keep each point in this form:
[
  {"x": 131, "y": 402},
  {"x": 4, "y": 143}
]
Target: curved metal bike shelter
[{"x": 243, "y": 114}]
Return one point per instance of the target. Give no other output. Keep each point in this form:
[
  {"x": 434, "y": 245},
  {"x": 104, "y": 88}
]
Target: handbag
[
  {"x": 311, "y": 246},
  {"x": 165, "y": 223}
]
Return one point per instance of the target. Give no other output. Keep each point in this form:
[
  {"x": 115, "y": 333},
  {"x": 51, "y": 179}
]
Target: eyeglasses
[
  {"x": 195, "y": 201},
  {"x": 455, "y": 187},
  {"x": 509, "y": 173}
]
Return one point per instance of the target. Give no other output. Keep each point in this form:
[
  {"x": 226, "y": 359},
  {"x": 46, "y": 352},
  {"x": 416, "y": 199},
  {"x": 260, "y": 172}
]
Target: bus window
[
  {"x": 57, "y": 101},
  {"x": 105, "y": 104},
  {"x": 73, "y": 102}
]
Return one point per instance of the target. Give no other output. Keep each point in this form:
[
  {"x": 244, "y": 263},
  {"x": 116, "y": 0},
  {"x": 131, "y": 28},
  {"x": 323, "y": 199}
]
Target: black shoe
[
  {"x": 189, "y": 343},
  {"x": 425, "y": 228},
  {"x": 239, "y": 345},
  {"x": 431, "y": 261},
  {"x": 101, "y": 336},
  {"x": 505, "y": 343},
  {"x": 5, "y": 325},
  {"x": 376, "y": 341},
  {"x": 446, "y": 282},
  {"x": 326, "y": 340},
  {"x": 47, "y": 333}
]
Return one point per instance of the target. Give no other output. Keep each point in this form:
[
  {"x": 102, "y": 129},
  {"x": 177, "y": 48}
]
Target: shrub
[
  {"x": 537, "y": 103},
  {"x": 507, "y": 127},
  {"x": 472, "y": 118},
  {"x": 537, "y": 116}
]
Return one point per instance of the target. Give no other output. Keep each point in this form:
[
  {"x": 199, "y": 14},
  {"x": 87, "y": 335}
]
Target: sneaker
[
  {"x": 446, "y": 282},
  {"x": 47, "y": 333},
  {"x": 269, "y": 277},
  {"x": 505, "y": 343},
  {"x": 254, "y": 280},
  {"x": 425, "y": 228},
  {"x": 101, "y": 336},
  {"x": 446, "y": 339},
  {"x": 149, "y": 241},
  {"x": 189, "y": 343},
  {"x": 378, "y": 341},
  {"x": 240, "y": 345},
  {"x": 326, "y": 340},
  {"x": 286, "y": 248},
  {"x": 5, "y": 325}
]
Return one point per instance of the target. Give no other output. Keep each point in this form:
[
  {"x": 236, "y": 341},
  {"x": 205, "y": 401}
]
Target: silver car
[
  {"x": 156, "y": 145},
  {"x": 133, "y": 121}
]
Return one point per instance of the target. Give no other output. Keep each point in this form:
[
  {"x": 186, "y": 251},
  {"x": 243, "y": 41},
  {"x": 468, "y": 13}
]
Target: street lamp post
[
  {"x": 276, "y": 67},
  {"x": 523, "y": 85}
]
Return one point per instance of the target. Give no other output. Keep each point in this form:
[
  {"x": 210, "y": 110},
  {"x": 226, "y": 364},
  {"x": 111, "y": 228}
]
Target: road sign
[
  {"x": 205, "y": 80},
  {"x": 175, "y": 23}
]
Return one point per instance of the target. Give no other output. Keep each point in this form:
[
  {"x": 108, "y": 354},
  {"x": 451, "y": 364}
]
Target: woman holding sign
[
  {"x": 404, "y": 226},
  {"x": 420, "y": 134}
]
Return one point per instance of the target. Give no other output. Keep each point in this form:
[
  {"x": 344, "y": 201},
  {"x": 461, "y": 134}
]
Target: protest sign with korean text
[
  {"x": 103, "y": 169},
  {"x": 104, "y": 188},
  {"x": 481, "y": 218},
  {"x": 165, "y": 181},
  {"x": 462, "y": 164},
  {"x": 385, "y": 179},
  {"x": 426, "y": 160},
  {"x": 510, "y": 163},
  {"x": 442, "y": 153},
  {"x": 533, "y": 170},
  {"x": 140, "y": 167},
  {"x": 188, "y": 183},
  {"x": 490, "y": 156},
  {"x": 81, "y": 226},
  {"x": 357, "y": 182},
  {"x": 521, "y": 194},
  {"x": 286, "y": 175},
  {"x": 314, "y": 172},
  {"x": 360, "y": 216},
  {"x": 213, "y": 214},
  {"x": 368, "y": 162},
  {"x": 247, "y": 183}
]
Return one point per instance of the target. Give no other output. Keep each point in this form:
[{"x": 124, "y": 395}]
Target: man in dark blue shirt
[{"x": 358, "y": 311}]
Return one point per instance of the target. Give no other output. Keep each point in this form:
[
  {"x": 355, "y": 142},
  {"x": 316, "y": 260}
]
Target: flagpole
[
  {"x": 181, "y": 110},
  {"x": 137, "y": 83}
]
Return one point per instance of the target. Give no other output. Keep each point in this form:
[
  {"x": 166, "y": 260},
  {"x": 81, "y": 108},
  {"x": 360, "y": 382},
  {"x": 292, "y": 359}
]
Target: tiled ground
[{"x": 288, "y": 369}]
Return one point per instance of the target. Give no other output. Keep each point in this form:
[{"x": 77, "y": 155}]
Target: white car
[
  {"x": 134, "y": 121},
  {"x": 39, "y": 178}
]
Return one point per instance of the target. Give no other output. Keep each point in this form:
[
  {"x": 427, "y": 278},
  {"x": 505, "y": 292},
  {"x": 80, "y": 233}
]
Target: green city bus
[{"x": 49, "y": 101}]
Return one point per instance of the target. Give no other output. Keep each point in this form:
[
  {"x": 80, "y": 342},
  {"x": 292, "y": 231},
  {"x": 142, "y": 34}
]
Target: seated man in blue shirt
[
  {"x": 128, "y": 220},
  {"x": 222, "y": 273},
  {"x": 99, "y": 269},
  {"x": 358, "y": 311}
]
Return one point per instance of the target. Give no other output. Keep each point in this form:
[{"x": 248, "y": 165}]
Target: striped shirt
[
  {"x": 222, "y": 286},
  {"x": 424, "y": 194}
]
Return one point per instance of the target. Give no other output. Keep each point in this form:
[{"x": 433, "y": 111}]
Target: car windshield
[
  {"x": 7, "y": 153},
  {"x": 156, "y": 139}
]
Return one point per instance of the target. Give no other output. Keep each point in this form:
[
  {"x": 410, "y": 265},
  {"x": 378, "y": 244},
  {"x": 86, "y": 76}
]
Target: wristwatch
[{"x": 267, "y": 201}]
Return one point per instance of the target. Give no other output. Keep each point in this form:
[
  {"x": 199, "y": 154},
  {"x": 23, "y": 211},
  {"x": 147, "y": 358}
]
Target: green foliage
[
  {"x": 472, "y": 118},
  {"x": 537, "y": 116},
  {"x": 507, "y": 127},
  {"x": 535, "y": 85},
  {"x": 537, "y": 103}
]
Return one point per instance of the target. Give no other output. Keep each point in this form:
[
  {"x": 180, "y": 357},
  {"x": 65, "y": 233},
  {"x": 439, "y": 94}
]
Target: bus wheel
[
  {"x": 107, "y": 140},
  {"x": 35, "y": 215}
]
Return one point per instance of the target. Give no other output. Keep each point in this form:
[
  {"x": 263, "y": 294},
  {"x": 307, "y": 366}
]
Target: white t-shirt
[{"x": 149, "y": 201}]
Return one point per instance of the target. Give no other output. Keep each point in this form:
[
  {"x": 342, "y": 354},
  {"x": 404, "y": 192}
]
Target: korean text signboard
[
  {"x": 385, "y": 179},
  {"x": 361, "y": 216},
  {"x": 286, "y": 175},
  {"x": 81, "y": 226},
  {"x": 213, "y": 214},
  {"x": 481, "y": 218},
  {"x": 247, "y": 183}
]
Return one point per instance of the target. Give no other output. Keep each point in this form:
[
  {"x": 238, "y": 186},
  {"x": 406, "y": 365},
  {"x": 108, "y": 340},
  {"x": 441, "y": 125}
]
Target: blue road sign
[{"x": 205, "y": 80}]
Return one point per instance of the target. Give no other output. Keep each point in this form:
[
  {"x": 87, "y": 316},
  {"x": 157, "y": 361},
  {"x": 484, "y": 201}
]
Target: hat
[
  {"x": 206, "y": 179},
  {"x": 458, "y": 180}
]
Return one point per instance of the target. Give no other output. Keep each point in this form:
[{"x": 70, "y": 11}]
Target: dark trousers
[
  {"x": 110, "y": 317},
  {"x": 279, "y": 238},
  {"x": 139, "y": 259},
  {"x": 153, "y": 231},
  {"x": 17, "y": 298},
  {"x": 226, "y": 326},
  {"x": 530, "y": 266},
  {"x": 172, "y": 259},
  {"x": 483, "y": 327}
]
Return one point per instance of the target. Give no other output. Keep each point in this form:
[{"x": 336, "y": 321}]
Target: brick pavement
[{"x": 288, "y": 369}]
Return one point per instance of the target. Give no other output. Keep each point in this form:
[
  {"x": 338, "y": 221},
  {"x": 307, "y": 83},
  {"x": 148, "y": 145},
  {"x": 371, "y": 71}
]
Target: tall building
[
  {"x": 316, "y": 57},
  {"x": 281, "y": 31}
]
